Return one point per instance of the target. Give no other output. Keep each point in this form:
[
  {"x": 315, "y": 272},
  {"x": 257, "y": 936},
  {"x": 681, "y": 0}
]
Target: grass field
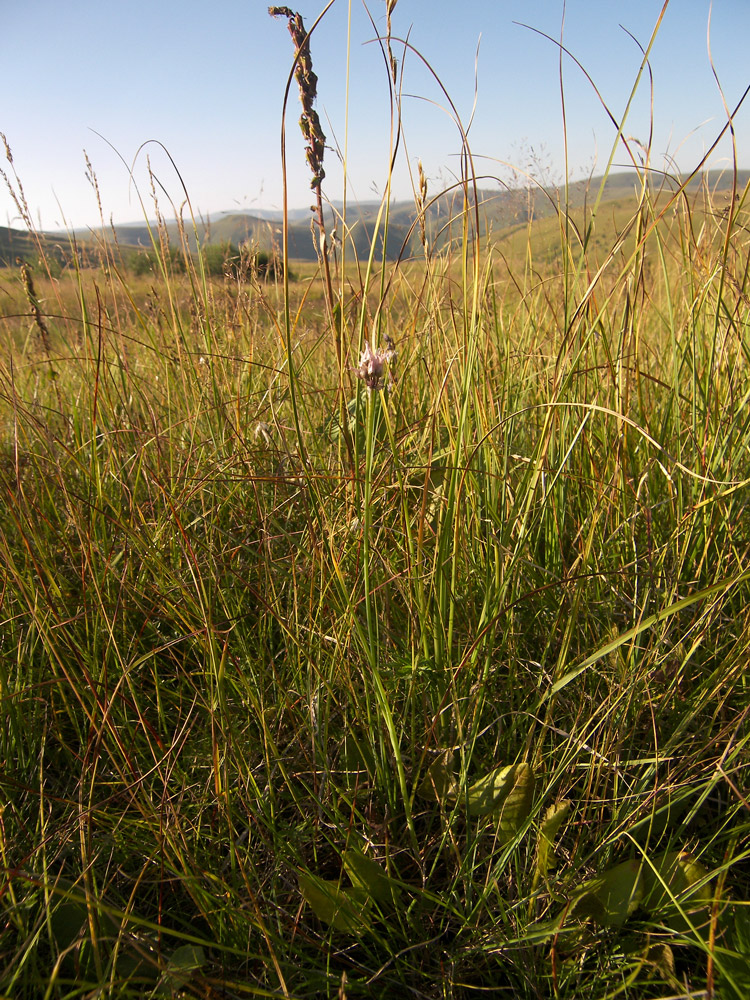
[{"x": 436, "y": 689}]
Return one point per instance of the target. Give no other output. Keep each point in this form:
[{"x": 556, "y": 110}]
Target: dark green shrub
[
  {"x": 220, "y": 258},
  {"x": 241, "y": 263},
  {"x": 149, "y": 262}
]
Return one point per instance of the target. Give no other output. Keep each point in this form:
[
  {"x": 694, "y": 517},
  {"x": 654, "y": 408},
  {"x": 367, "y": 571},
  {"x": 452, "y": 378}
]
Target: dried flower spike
[{"x": 307, "y": 82}]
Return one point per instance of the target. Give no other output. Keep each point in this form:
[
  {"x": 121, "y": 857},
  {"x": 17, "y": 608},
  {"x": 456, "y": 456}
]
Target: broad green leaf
[
  {"x": 619, "y": 890},
  {"x": 541, "y": 931},
  {"x": 69, "y": 921},
  {"x": 439, "y": 784},
  {"x": 553, "y": 820},
  {"x": 369, "y": 876},
  {"x": 652, "y": 884},
  {"x": 734, "y": 963},
  {"x": 356, "y": 762},
  {"x": 183, "y": 962},
  {"x": 132, "y": 965},
  {"x": 507, "y": 790},
  {"x": 489, "y": 793},
  {"x": 517, "y": 805},
  {"x": 586, "y": 906},
  {"x": 675, "y": 875},
  {"x": 187, "y": 958},
  {"x": 568, "y": 921},
  {"x": 343, "y": 909},
  {"x": 661, "y": 957}
]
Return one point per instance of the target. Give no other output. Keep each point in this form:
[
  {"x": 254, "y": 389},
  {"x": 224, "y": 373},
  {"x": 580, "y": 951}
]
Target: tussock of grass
[{"x": 258, "y": 669}]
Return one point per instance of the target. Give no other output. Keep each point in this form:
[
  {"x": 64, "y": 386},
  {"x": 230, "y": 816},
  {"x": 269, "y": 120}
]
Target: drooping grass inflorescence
[{"x": 307, "y": 81}]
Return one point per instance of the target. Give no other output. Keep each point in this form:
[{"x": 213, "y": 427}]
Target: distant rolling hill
[
  {"x": 501, "y": 211},
  {"x": 15, "y": 243}
]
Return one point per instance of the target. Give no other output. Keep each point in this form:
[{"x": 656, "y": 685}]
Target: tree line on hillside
[
  {"x": 219, "y": 259},
  {"x": 241, "y": 263}
]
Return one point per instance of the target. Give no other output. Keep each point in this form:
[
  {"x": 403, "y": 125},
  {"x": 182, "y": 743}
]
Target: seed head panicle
[
  {"x": 390, "y": 7},
  {"x": 307, "y": 82},
  {"x": 422, "y": 203}
]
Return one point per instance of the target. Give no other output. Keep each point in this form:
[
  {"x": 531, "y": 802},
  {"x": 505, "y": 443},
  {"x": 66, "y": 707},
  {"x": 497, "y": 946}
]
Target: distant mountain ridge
[{"x": 499, "y": 209}]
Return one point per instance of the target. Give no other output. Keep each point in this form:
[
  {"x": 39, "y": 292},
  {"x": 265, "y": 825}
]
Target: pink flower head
[{"x": 371, "y": 368}]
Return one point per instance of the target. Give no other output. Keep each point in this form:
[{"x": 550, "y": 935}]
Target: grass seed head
[{"x": 307, "y": 82}]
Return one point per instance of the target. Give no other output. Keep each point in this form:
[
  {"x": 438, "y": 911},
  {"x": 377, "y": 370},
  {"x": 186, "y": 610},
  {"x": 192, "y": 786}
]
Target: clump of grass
[{"x": 461, "y": 710}]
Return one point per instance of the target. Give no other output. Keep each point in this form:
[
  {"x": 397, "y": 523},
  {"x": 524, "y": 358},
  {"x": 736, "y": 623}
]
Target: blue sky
[{"x": 207, "y": 82}]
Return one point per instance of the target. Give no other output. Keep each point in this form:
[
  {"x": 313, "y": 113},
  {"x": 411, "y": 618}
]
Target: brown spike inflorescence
[
  {"x": 307, "y": 81},
  {"x": 33, "y": 300}
]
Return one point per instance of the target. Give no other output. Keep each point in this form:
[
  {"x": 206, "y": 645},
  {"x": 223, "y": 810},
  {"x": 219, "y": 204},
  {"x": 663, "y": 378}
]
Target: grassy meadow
[{"x": 436, "y": 689}]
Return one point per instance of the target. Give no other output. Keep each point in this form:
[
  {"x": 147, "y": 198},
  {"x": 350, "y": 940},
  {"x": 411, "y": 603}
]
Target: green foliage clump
[
  {"x": 220, "y": 258},
  {"x": 152, "y": 262},
  {"x": 240, "y": 263}
]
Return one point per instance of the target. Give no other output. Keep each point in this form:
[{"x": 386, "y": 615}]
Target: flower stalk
[{"x": 309, "y": 122}]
